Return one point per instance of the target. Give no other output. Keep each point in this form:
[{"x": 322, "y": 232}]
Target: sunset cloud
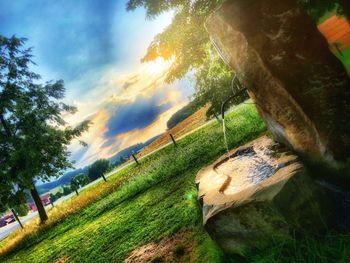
[{"x": 134, "y": 108}]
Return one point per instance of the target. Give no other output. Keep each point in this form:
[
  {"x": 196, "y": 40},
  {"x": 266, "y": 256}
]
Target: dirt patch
[
  {"x": 170, "y": 249},
  {"x": 63, "y": 259},
  {"x": 336, "y": 30}
]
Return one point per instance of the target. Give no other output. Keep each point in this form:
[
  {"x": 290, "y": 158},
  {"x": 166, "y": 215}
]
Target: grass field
[
  {"x": 143, "y": 204},
  {"x": 152, "y": 211}
]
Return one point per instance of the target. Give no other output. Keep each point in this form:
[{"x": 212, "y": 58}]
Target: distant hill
[
  {"x": 63, "y": 180},
  {"x": 181, "y": 115},
  {"x": 126, "y": 153},
  {"x": 115, "y": 160}
]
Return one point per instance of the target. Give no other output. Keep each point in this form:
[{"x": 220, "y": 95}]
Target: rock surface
[
  {"x": 299, "y": 86},
  {"x": 258, "y": 195}
]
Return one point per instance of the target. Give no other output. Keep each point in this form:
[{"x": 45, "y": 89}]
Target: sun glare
[{"x": 157, "y": 67}]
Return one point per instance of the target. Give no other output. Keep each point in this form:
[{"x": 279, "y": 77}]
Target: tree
[
  {"x": 190, "y": 49},
  {"x": 53, "y": 197},
  {"x": 80, "y": 180},
  {"x": 74, "y": 186},
  {"x": 66, "y": 189},
  {"x": 98, "y": 168},
  {"x": 58, "y": 195},
  {"x": 181, "y": 115},
  {"x": 185, "y": 40},
  {"x": 33, "y": 135},
  {"x": 215, "y": 83}
]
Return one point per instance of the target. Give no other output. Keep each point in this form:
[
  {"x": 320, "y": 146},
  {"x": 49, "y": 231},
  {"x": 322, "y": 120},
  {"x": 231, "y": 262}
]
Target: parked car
[
  {"x": 9, "y": 218},
  {"x": 2, "y": 222}
]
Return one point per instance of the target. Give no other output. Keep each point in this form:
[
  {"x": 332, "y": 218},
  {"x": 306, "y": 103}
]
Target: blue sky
[{"x": 96, "y": 47}]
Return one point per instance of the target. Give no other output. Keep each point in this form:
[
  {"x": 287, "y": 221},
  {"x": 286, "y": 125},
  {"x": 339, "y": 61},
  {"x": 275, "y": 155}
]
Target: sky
[{"x": 95, "y": 47}]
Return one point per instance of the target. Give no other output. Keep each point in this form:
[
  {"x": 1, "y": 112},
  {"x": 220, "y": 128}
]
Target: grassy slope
[{"x": 155, "y": 200}]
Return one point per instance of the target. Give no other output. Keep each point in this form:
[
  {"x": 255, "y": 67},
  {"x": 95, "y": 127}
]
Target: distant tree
[
  {"x": 80, "y": 180},
  {"x": 58, "y": 195},
  {"x": 53, "y": 197},
  {"x": 67, "y": 189},
  {"x": 181, "y": 115},
  {"x": 33, "y": 136},
  {"x": 122, "y": 159},
  {"x": 22, "y": 209},
  {"x": 74, "y": 186},
  {"x": 98, "y": 168}
]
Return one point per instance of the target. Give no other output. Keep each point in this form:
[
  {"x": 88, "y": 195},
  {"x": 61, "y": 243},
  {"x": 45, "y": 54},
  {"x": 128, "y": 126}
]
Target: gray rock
[{"x": 258, "y": 195}]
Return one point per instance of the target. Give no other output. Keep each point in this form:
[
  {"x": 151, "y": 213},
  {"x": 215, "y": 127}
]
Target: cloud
[
  {"x": 100, "y": 146},
  {"x": 172, "y": 96},
  {"x": 136, "y": 115},
  {"x": 155, "y": 128},
  {"x": 131, "y": 81},
  {"x": 95, "y": 140}
]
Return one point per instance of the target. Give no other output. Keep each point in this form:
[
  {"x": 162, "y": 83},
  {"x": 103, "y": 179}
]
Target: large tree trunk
[{"x": 39, "y": 204}]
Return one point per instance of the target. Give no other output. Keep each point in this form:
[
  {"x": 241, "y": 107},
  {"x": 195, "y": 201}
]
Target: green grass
[
  {"x": 150, "y": 202},
  {"x": 345, "y": 58},
  {"x": 158, "y": 199}
]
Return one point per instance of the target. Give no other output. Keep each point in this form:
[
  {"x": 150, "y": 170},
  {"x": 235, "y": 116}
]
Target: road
[{"x": 7, "y": 230}]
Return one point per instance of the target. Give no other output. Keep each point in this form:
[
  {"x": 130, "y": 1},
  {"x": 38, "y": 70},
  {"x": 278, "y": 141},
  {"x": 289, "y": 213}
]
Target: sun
[{"x": 157, "y": 67}]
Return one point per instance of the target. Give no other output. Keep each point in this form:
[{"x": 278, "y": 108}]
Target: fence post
[
  {"x": 104, "y": 178},
  {"x": 217, "y": 117},
  {"x": 137, "y": 162},
  {"x": 173, "y": 139},
  {"x": 16, "y": 217}
]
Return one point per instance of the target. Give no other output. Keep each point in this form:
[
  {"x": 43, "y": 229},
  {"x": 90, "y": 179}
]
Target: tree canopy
[
  {"x": 186, "y": 43},
  {"x": 98, "y": 168},
  {"x": 34, "y": 137},
  {"x": 80, "y": 180},
  {"x": 185, "y": 40}
]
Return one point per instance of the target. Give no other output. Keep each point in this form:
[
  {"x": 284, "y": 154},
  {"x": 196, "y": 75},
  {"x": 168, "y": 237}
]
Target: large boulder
[
  {"x": 260, "y": 195},
  {"x": 300, "y": 88}
]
